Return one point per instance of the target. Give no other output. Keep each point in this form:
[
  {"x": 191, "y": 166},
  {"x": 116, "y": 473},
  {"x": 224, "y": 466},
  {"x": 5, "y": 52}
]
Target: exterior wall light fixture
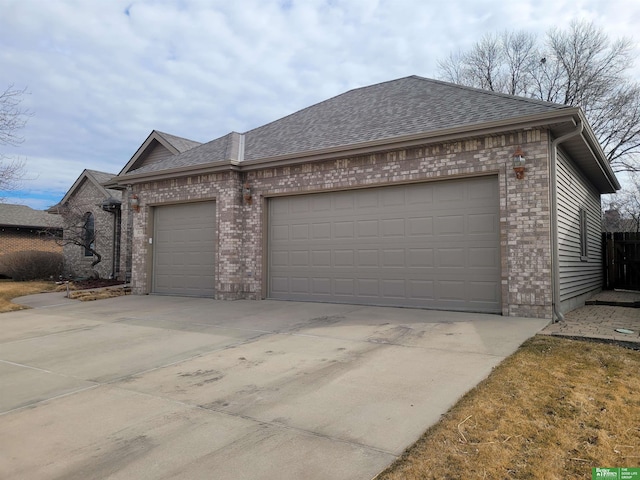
[
  {"x": 135, "y": 202},
  {"x": 518, "y": 163},
  {"x": 246, "y": 193}
]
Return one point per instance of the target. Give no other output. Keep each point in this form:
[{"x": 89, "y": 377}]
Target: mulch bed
[{"x": 91, "y": 283}]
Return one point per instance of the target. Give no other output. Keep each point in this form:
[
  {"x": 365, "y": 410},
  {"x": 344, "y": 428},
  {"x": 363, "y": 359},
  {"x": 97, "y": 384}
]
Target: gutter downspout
[{"x": 554, "y": 219}]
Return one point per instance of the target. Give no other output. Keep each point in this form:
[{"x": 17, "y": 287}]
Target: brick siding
[
  {"x": 88, "y": 198},
  {"x": 15, "y": 239},
  {"x": 524, "y": 210}
]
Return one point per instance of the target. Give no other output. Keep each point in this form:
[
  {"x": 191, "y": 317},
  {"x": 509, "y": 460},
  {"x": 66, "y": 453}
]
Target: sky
[{"x": 100, "y": 75}]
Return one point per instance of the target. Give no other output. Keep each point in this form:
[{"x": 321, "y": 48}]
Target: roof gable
[
  {"x": 157, "y": 147},
  {"x": 94, "y": 177},
  {"x": 227, "y": 148}
]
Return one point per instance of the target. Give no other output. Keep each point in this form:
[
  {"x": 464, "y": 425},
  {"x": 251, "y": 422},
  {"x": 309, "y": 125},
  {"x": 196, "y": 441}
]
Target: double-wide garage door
[
  {"x": 184, "y": 249},
  {"x": 434, "y": 245}
]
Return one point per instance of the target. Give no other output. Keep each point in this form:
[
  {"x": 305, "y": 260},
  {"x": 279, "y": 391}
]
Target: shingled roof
[
  {"x": 387, "y": 110},
  {"x": 401, "y": 113},
  {"x": 98, "y": 179},
  {"x": 179, "y": 143},
  {"x": 407, "y": 106},
  {"x": 27, "y": 217}
]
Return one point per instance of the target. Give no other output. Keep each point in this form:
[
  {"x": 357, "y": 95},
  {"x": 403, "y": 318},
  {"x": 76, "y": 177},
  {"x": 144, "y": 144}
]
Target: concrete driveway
[{"x": 152, "y": 387}]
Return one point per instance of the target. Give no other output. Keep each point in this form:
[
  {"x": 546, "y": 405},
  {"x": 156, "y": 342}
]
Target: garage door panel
[
  {"x": 393, "y": 197},
  {"x": 483, "y": 292},
  {"x": 482, "y": 224},
  {"x": 368, "y": 288},
  {"x": 487, "y": 257},
  {"x": 422, "y": 226},
  {"x": 421, "y": 290},
  {"x": 344, "y": 229},
  {"x": 319, "y": 204},
  {"x": 345, "y": 286},
  {"x": 393, "y": 227},
  {"x": 450, "y": 225},
  {"x": 321, "y": 286},
  {"x": 343, "y": 258},
  {"x": 299, "y": 285},
  {"x": 300, "y": 232},
  {"x": 367, "y": 200},
  {"x": 184, "y": 249},
  {"x": 280, "y": 232},
  {"x": 426, "y": 245},
  {"x": 420, "y": 257},
  {"x": 394, "y": 288},
  {"x": 299, "y": 258},
  {"x": 393, "y": 258}
]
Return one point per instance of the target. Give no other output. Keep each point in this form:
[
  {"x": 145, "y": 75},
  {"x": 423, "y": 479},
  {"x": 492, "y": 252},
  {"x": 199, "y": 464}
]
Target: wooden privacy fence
[{"x": 621, "y": 260}]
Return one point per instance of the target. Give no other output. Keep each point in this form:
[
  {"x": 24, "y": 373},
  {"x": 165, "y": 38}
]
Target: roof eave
[
  {"x": 552, "y": 120},
  {"x": 121, "y": 181},
  {"x": 599, "y": 155},
  {"x": 407, "y": 141}
]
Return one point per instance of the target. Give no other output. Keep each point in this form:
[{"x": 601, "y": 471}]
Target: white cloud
[{"x": 102, "y": 75}]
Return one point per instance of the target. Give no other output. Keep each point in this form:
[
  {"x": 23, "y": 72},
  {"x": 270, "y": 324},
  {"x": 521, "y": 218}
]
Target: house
[
  {"x": 90, "y": 214},
  {"x": 412, "y": 192},
  {"x": 23, "y": 228},
  {"x": 93, "y": 217}
]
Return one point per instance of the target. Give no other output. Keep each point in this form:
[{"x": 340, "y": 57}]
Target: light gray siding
[
  {"x": 579, "y": 276},
  {"x": 157, "y": 154}
]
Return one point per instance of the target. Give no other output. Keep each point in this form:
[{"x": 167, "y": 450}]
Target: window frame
[
  {"x": 89, "y": 228},
  {"x": 583, "y": 227}
]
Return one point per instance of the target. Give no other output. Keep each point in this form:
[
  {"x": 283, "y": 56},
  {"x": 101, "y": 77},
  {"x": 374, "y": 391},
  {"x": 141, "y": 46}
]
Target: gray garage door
[
  {"x": 433, "y": 245},
  {"x": 184, "y": 244}
]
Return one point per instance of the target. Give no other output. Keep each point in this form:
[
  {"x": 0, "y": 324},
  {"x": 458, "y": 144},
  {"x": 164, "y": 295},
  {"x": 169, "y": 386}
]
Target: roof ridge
[
  {"x": 100, "y": 171},
  {"x": 327, "y": 100},
  {"x": 491, "y": 92},
  {"x": 165, "y": 134}
]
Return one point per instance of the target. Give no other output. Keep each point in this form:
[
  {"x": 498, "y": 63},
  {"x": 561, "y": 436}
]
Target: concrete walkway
[
  {"x": 611, "y": 316},
  {"x": 151, "y": 387}
]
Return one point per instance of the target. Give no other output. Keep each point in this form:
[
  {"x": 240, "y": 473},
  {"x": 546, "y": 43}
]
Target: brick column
[{"x": 229, "y": 277}]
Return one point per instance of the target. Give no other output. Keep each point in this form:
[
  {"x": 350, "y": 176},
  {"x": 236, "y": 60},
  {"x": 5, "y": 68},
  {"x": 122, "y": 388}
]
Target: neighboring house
[
  {"x": 23, "y": 228},
  {"x": 402, "y": 193}
]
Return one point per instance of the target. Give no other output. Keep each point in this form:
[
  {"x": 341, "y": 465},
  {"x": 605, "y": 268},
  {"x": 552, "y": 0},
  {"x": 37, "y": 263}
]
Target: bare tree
[
  {"x": 578, "y": 66},
  {"x": 12, "y": 119},
  {"x": 79, "y": 229},
  {"x": 622, "y": 210}
]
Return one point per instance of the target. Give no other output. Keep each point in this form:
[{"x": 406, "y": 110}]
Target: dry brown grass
[
  {"x": 554, "y": 409},
  {"x": 98, "y": 294},
  {"x": 10, "y": 290}
]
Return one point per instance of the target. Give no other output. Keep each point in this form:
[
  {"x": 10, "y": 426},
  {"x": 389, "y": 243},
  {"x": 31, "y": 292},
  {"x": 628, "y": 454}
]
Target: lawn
[
  {"x": 555, "y": 409},
  {"x": 10, "y": 290}
]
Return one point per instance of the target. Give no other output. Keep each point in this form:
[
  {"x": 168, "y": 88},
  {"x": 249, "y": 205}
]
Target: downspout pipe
[{"x": 558, "y": 316}]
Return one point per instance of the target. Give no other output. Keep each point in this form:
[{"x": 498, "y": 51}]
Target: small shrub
[{"x": 31, "y": 265}]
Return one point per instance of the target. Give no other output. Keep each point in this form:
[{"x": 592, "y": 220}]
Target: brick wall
[
  {"x": 13, "y": 239},
  {"x": 88, "y": 198},
  {"x": 524, "y": 209}
]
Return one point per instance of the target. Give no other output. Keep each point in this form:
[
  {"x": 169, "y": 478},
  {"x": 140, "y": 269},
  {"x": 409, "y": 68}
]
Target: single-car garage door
[
  {"x": 433, "y": 245},
  {"x": 184, "y": 247}
]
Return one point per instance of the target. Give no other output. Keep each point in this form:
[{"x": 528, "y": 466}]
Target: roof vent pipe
[{"x": 558, "y": 316}]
